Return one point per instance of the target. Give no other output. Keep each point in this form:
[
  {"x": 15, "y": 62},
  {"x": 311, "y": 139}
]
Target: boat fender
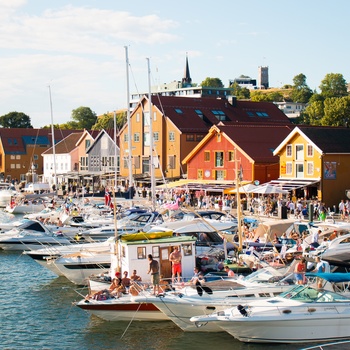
[{"x": 242, "y": 310}]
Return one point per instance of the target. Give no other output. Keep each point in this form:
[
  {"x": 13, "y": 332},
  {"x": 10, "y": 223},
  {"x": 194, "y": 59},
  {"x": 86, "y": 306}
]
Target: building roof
[
  {"x": 16, "y": 140},
  {"x": 199, "y": 114},
  {"x": 66, "y": 145},
  {"x": 327, "y": 139},
  {"x": 256, "y": 141}
]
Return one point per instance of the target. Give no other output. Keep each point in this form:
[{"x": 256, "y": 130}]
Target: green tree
[
  {"x": 15, "y": 120},
  {"x": 300, "y": 90},
  {"x": 336, "y": 111},
  {"x": 212, "y": 82},
  {"x": 274, "y": 96},
  {"x": 83, "y": 118},
  {"x": 333, "y": 85},
  {"x": 107, "y": 121},
  {"x": 313, "y": 113},
  {"x": 241, "y": 93},
  {"x": 258, "y": 96}
]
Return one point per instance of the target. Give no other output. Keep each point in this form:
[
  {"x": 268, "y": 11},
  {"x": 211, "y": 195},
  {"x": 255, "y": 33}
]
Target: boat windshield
[
  {"x": 262, "y": 275},
  {"x": 312, "y": 295}
]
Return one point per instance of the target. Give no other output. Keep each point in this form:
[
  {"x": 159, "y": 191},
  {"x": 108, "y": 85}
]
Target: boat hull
[
  {"x": 297, "y": 330},
  {"x": 123, "y": 310}
]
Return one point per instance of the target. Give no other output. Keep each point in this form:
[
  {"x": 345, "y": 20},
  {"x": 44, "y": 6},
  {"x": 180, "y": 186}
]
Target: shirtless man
[
  {"x": 154, "y": 270},
  {"x": 175, "y": 258}
]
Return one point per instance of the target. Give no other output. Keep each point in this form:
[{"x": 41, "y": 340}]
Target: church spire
[{"x": 186, "y": 80}]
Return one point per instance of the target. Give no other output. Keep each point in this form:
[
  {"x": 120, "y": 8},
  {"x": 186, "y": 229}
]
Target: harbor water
[{"x": 37, "y": 311}]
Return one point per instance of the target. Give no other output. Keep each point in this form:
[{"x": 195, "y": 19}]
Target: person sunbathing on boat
[{"x": 116, "y": 288}]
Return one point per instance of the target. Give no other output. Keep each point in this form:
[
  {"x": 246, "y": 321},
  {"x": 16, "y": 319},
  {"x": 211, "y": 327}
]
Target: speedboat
[
  {"x": 301, "y": 314},
  {"x": 78, "y": 266},
  {"x": 7, "y": 191},
  {"x": 46, "y": 256},
  {"x": 338, "y": 251},
  {"x": 122, "y": 309},
  {"x": 191, "y": 300},
  {"x": 30, "y": 235}
]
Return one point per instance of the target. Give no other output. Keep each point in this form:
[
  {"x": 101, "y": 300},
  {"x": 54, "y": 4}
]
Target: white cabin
[{"x": 134, "y": 255}]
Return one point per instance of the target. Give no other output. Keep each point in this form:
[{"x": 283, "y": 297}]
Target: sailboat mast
[
  {"x": 128, "y": 118},
  {"x": 53, "y": 142},
  {"x": 151, "y": 165},
  {"x": 238, "y": 203}
]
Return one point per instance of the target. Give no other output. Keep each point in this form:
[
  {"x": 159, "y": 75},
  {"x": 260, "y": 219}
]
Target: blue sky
[{"x": 77, "y": 47}]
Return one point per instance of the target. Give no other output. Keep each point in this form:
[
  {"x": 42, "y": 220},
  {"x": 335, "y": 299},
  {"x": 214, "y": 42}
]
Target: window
[
  {"x": 171, "y": 136},
  {"x": 219, "y": 159},
  {"x": 219, "y": 175},
  {"x": 155, "y": 252},
  {"x": 189, "y": 137},
  {"x": 146, "y": 139},
  {"x": 199, "y": 174},
  {"x": 289, "y": 152},
  {"x": 18, "y": 156},
  {"x": 12, "y": 157},
  {"x": 199, "y": 112},
  {"x": 155, "y": 116},
  {"x": 137, "y": 162},
  {"x": 231, "y": 156},
  {"x": 141, "y": 252},
  {"x": 187, "y": 249},
  {"x": 250, "y": 114},
  {"x": 289, "y": 168},
  {"x": 35, "y": 157},
  {"x": 207, "y": 156},
  {"x": 199, "y": 137},
  {"x": 126, "y": 137},
  {"x": 310, "y": 151},
  {"x": 310, "y": 168},
  {"x": 156, "y": 136},
  {"x": 178, "y": 111},
  {"x": 136, "y": 137},
  {"x": 137, "y": 117},
  {"x": 219, "y": 114},
  {"x": 218, "y": 137},
  {"x": 87, "y": 143},
  {"x": 146, "y": 118},
  {"x": 125, "y": 163},
  {"x": 299, "y": 152},
  {"x": 262, "y": 114},
  {"x": 172, "y": 162}
]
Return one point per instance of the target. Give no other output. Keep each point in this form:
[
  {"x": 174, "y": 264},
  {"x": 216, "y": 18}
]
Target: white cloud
[
  {"x": 78, "y": 51},
  {"x": 83, "y": 30}
]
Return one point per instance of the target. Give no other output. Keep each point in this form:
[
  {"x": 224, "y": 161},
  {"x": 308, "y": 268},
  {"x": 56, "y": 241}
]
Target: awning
[
  {"x": 197, "y": 185},
  {"x": 292, "y": 184}
]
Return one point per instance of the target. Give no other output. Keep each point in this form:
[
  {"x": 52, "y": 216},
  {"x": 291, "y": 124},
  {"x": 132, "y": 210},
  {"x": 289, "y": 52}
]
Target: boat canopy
[{"x": 334, "y": 277}]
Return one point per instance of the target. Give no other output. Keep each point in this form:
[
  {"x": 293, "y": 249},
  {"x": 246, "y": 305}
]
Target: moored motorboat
[
  {"x": 122, "y": 309},
  {"x": 302, "y": 314},
  {"x": 30, "y": 235}
]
